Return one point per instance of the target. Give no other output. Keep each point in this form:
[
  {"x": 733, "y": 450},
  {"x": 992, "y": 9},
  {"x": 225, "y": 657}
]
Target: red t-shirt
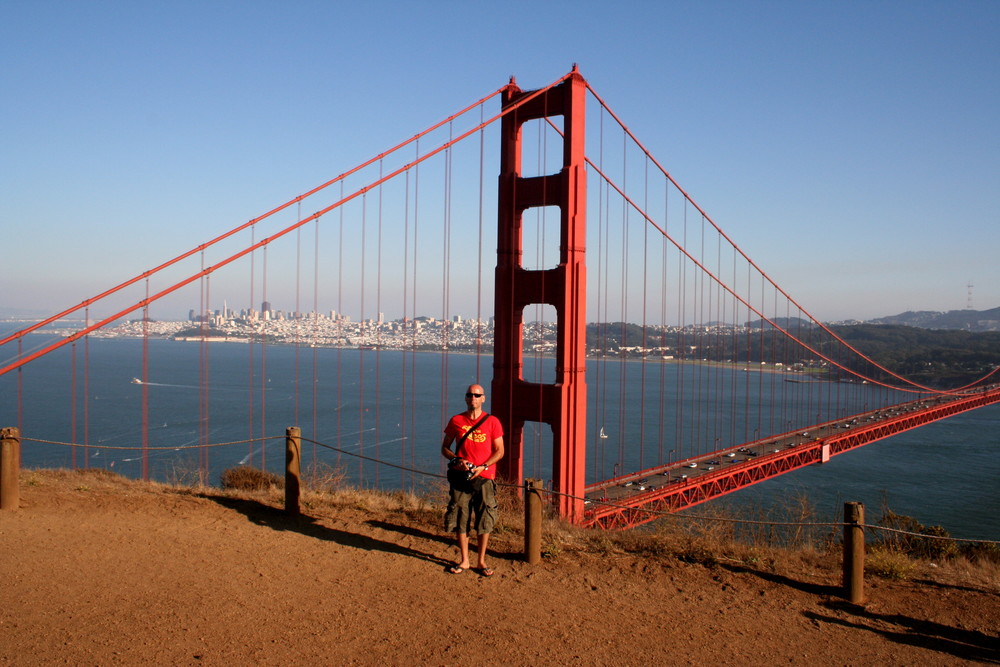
[{"x": 478, "y": 447}]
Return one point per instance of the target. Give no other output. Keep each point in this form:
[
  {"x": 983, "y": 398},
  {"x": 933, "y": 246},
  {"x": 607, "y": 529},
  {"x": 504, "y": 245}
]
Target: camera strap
[{"x": 466, "y": 434}]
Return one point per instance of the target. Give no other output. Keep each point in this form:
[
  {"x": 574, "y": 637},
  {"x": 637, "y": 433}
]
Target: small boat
[
  {"x": 136, "y": 381},
  {"x": 602, "y": 434}
]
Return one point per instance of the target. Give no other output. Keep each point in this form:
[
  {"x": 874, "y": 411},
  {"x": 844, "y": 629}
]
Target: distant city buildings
[{"x": 335, "y": 329}]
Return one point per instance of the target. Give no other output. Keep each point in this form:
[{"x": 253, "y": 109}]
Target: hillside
[
  {"x": 966, "y": 320},
  {"x": 102, "y": 570}
]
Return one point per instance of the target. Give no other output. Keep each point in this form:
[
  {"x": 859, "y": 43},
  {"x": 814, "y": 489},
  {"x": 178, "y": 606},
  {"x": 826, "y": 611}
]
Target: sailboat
[{"x": 602, "y": 434}]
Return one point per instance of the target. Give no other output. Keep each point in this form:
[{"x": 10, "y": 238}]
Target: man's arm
[
  {"x": 446, "y": 447},
  {"x": 495, "y": 456},
  {"x": 497, "y": 451}
]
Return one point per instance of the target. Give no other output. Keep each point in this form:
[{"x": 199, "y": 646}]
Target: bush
[
  {"x": 889, "y": 564},
  {"x": 245, "y": 478},
  {"x": 915, "y": 545}
]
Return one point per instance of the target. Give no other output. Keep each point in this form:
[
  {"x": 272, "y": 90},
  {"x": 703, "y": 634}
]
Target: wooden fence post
[
  {"x": 293, "y": 455},
  {"x": 854, "y": 552},
  {"x": 10, "y": 468},
  {"x": 533, "y": 521}
]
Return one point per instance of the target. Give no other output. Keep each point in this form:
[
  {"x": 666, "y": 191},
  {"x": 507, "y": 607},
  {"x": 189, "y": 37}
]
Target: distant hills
[
  {"x": 961, "y": 320},
  {"x": 965, "y": 320}
]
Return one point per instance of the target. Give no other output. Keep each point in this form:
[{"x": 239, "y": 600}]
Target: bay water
[{"x": 392, "y": 406}]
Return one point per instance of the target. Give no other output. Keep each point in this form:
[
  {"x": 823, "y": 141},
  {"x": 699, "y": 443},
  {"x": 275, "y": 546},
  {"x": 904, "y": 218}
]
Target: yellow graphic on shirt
[{"x": 477, "y": 436}]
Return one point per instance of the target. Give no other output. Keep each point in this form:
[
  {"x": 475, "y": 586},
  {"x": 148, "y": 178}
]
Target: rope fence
[
  {"x": 543, "y": 490},
  {"x": 172, "y": 448}
]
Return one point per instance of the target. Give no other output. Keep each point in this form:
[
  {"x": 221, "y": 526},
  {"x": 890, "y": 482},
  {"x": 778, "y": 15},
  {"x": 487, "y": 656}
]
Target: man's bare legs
[
  {"x": 483, "y": 540},
  {"x": 463, "y": 549}
]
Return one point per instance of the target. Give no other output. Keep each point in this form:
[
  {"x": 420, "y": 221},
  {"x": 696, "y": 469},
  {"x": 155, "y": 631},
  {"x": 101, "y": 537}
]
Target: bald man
[{"x": 480, "y": 446}]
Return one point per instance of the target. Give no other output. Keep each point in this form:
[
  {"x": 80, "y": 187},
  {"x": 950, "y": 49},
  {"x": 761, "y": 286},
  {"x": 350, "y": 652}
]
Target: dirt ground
[{"x": 103, "y": 571}]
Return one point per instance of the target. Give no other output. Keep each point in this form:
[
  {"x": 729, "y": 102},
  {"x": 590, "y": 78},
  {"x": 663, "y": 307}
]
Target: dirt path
[{"x": 104, "y": 571}]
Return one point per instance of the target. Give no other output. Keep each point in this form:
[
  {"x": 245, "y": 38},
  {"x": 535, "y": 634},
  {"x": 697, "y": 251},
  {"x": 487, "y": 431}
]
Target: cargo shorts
[{"x": 463, "y": 506}]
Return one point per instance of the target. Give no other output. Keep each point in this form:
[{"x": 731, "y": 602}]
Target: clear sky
[{"x": 851, "y": 148}]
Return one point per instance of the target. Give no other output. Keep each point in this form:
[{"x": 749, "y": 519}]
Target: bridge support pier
[{"x": 561, "y": 404}]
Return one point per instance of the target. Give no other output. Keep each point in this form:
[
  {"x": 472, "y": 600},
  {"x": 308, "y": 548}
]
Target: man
[{"x": 478, "y": 451}]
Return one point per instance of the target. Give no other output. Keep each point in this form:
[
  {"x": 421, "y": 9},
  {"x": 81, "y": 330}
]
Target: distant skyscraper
[{"x": 265, "y": 307}]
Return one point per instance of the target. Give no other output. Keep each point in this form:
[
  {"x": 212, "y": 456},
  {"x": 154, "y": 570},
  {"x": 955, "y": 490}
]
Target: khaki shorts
[{"x": 463, "y": 506}]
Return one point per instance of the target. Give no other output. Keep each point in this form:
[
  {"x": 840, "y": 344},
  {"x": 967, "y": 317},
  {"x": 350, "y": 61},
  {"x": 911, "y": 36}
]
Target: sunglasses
[{"x": 471, "y": 395}]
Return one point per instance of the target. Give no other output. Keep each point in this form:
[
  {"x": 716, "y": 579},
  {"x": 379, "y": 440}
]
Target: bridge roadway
[{"x": 622, "y": 502}]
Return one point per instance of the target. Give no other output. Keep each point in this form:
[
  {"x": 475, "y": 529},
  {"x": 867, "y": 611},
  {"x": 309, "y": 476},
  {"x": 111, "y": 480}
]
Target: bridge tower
[{"x": 563, "y": 403}]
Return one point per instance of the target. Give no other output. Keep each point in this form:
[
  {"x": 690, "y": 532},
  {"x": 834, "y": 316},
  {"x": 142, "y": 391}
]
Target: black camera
[{"x": 470, "y": 470}]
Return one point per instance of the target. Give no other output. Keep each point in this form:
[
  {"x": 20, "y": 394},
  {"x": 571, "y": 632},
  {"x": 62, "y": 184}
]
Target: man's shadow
[{"x": 277, "y": 519}]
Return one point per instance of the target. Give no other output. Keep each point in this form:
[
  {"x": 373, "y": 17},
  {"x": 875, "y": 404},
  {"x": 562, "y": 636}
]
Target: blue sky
[{"x": 851, "y": 148}]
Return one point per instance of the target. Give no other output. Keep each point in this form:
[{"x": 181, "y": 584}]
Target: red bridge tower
[{"x": 563, "y": 404}]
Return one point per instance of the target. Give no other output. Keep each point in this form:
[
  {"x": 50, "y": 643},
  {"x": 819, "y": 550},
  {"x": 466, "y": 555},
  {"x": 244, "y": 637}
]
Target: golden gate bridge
[{"x": 669, "y": 368}]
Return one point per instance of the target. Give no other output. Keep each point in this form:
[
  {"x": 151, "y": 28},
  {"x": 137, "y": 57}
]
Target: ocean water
[{"x": 391, "y": 406}]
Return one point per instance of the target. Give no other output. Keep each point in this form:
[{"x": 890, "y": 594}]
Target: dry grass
[
  {"x": 245, "y": 478},
  {"x": 712, "y": 540},
  {"x": 889, "y": 563}
]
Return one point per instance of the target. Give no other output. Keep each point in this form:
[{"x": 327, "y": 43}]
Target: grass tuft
[
  {"x": 889, "y": 563},
  {"x": 245, "y": 478}
]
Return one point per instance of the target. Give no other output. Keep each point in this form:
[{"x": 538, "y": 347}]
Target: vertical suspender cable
[
  {"x": 145, "y": 387},
  {"x": 20, "y": 388},
  {"x": 72, "y": 404},
  {"x": 445, "y": 277},
  {"x": 733, "y": 437},
  {"x": 340, "y": 325},
  {"x": 749, "y": 357},
  {"x": 645, "y": 294},
  {"x": 718, "y": 345},
  {"x": 407, "y": 395},
  {"x": 298, "y": 314},
  {"x": 700, "y": 425},
  {"x": 265, "y": 316},
  {"x": 479, "y": 267},
  {"x": 251, "y": 420},
  {"x": 664, "y": 260},
  {"x": 364, "y": 341},
  {"x": 681, "y": 351},
  {"x": 205, "y": 384},
  {"x": 315, "y": 346},
  {"x": 600, "y": 319},
  {"x": 623, "y": 310},
  {"x": 378, "y": 319},
  {"x": 86, "y": 391}
]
